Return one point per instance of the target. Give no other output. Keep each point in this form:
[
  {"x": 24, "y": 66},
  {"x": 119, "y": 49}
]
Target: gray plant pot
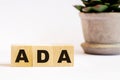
[{"x": 101, "y": 33}]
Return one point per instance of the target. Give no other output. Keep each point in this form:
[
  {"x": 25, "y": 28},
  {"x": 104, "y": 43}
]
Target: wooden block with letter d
[
  {"x": 63, "y": 56},
  {"x": 42, "y": 56},
  {"x": 21, "y": 56}
]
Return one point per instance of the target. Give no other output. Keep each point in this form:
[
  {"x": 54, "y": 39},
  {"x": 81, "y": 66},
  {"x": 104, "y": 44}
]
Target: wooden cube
[
  {"x": 42, "y": 56},
  {"x": 63, "y": 56},
  {"x": 21, "y": 56}
]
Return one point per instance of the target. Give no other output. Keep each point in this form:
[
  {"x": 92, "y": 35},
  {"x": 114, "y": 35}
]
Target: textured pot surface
[
  {"x": 101, "y": 49},
  {"x": 101, "y": 28}
]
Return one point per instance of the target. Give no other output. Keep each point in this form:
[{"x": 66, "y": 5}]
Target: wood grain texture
[
  {"x": 14, "y": 53},
  {"x": 49, "y": 63},
  {"x": 57, "y": 52}
]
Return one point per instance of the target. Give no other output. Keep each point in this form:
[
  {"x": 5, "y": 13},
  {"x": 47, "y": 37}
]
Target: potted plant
[{"x": 101, "y": 26}]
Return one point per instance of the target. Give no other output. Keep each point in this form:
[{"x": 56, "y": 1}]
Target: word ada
[{"x": 42, "y": 56}]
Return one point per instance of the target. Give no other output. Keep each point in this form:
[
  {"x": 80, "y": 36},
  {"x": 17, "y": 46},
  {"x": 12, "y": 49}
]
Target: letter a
[
  {"x": 66, "y": 58},
  {"x": 21, "y": 56}
]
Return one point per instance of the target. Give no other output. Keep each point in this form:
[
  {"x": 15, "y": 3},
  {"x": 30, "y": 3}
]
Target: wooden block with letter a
[
  {"x": 42, "y": 56},
  {"x": 21, "y": 56},
  {"x": 63, "y": 56}
]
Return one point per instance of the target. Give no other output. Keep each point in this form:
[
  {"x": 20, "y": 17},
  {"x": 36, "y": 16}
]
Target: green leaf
[
  {"x": 115, "y": 7},
  {"x": 86, "y": 2},
  {"x": 108, "y": 4},
  {"x": 118, "y": 2},
  {"x": 95, "y": 2},
  {"x": 79, "y": 7},
  {"x": 91, "y": 2},
  {"x": 87, "y": 9},
  {"x": 100, "y": 8},
  {"x": 110, "y": 1}
]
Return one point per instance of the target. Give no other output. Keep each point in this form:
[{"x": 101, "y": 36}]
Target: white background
[{"x": 39, "y": 22}]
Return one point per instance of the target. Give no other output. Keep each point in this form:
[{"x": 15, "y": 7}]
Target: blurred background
[
  {"x": 49, "y": 22},
  {"x": 31, "y": 22}
]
